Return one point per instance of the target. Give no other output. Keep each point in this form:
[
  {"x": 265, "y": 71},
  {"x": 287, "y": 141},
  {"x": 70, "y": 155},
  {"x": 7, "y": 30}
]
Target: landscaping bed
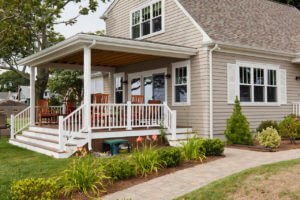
[{"x": 284, "y": 146}]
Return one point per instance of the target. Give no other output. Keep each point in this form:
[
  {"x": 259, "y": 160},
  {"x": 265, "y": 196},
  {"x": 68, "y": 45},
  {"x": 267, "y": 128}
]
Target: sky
[{"x": 89, "y": 23}]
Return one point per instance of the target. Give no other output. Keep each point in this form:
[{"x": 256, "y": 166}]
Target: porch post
[
  {"x": 32, "y": 96},
  {"x": 87, "y": 92}
]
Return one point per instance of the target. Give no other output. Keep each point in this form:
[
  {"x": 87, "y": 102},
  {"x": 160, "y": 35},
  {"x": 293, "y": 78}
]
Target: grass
[
  {"x": 17, "y": 163},
  {"x": 222, "y": 189}
]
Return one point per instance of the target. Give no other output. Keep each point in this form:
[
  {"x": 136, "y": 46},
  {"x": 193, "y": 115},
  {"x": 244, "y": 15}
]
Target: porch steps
[
  {"x": 45, "y": 141},
  {"x": 182, "y": 135}
]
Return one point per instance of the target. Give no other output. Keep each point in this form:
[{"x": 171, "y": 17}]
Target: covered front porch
[{"x": 131, "y": 69}]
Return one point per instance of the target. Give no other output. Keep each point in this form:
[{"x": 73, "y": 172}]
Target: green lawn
[
  {"x": 254, "y": 183},
  {"x": 17, "y": 163}
]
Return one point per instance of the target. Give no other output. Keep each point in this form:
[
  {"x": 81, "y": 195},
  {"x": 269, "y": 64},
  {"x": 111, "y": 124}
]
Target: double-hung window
[
  {"x": 119, "y": 87},
  {"x": 147, "y": 21},
  {"x": 181, "y": 83},
  {"x": 258, "y": 84}
]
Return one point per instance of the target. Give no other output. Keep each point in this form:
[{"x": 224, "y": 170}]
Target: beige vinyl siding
[
  {"x": 255, "y": 114},
  {"x": 179, "y": 30}
]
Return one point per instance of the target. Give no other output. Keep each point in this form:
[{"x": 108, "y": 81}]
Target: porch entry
[{"x": 152, "y": 84}]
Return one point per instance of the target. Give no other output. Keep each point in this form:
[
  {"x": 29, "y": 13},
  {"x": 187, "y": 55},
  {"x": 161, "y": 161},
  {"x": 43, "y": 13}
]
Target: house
[{"x": 196, "y": 56}]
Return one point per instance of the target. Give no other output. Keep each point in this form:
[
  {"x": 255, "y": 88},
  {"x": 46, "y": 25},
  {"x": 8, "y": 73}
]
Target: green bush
[
  {"x": 269, "y": 138},
  {"x": 265, "y": 124},
  {"x": 34, "y": 189},
  {"x": 119, "y": 168},
  {"x": 85, "y": 175},
  {"x": 146, "y": 161},
  {"x": 170, "y": 156},
  {"x": 237, "y": 129},
  {"x": 193, "y": 149},
  {"x": 289, "y": 127},
  {"x": 213, "y": 147}
]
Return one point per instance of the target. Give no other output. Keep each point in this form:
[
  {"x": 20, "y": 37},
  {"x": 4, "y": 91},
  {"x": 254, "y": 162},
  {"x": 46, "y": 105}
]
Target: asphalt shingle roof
[{"x": 256, "y": 23}]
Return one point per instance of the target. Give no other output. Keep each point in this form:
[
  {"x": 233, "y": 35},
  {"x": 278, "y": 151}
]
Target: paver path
[{"x": 181, "y": 182}]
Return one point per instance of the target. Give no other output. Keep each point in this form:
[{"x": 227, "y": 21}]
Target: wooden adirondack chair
[{"x": 44, "y": 112}]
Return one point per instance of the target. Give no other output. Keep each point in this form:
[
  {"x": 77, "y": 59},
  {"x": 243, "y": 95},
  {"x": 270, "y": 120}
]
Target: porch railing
[
  {"x": 19, "y": 122},
  {"x": 170, "y": 120},
  {"x": 296, "y": 108}
]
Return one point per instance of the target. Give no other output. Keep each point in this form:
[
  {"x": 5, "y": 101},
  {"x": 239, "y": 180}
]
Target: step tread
[
  {"x": 37, "y": 132},
  {"x": 37, "y": 145},
  {"x": 37, "y": 138}
]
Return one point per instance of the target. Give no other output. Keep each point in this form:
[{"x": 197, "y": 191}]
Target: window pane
[
  {"x": 159, "y": 87},
  {"x": 156, "y": 23},
  {"x": 136, "y": 18},
  {"x": 157, "y": 9},
  {"x": 148, "y": 88},
  {"x": 258, "y": 76},
  {"x": 119, "y": 83},
  {"x": 136, "y": 86},
  {"x": 146, "y": 13},
  {"x": 146, "y": 28},
  {"x": 258, "y": 93},
  {"x": 181, "y": 75},
  {"x": 272, "y": 94},
  {"x": 181, "y": 93},
  {"x": 245, "y": 75},
  {"x": 245, "y": 93},
  {"x": 272, "y": 77},
  {"x": 119, "y": 97},
  {"x": 136, "y": 31}
]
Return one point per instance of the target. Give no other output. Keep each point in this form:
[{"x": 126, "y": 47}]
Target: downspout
[
  {"x": 211, "y": 129},
  {"x": 93, "y": 44}
]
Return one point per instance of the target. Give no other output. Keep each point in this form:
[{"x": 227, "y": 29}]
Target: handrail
[
  {"x": 19, "y": 122},
  {"x": 70, "y": 125},
  {"x": 170, "y": 120}
]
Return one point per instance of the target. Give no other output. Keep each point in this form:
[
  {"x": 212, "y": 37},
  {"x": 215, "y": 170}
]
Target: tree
[
  {"x": 65, "y": 82},
  {"x": 295, "y": 3},
  {"x": 27, "y": 26},
  {"x": 237, "y": 129},
  {"x": 10, "y": 80}
]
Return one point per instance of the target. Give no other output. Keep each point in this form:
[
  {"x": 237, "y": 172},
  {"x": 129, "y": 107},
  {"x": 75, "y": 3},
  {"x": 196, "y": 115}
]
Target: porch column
[
  {"x": 32, "y": 96},
  {"x": 87, "y": 92}
]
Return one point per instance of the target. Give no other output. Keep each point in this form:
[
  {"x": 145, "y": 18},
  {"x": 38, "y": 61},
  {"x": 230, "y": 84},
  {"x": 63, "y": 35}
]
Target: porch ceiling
[{"x": 106, "y": 51}]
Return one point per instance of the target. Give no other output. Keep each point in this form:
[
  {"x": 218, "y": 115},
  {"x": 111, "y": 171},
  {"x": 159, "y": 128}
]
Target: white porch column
[
  {"x": 32, "y": 96},
  {"x": 87, "y": 92}
]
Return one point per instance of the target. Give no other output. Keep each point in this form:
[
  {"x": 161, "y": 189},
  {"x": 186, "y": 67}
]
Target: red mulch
[{"x": 284, "y": 146}]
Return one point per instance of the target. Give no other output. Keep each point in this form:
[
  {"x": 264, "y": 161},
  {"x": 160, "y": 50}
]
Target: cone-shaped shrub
[{"x": 237, "y": 129}]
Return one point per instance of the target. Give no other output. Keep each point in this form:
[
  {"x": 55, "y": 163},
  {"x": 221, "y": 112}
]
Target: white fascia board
[
  {"x": 112, "y": 5},
  {"x": 205, "y": 36},
  {"x": 77, "y": 42}
]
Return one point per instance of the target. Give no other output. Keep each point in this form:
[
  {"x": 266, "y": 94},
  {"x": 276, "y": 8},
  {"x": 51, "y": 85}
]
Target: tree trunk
[{"x": 41, "y": 81}]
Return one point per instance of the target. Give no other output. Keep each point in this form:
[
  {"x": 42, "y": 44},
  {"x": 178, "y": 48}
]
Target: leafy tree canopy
[{"x": 10, "y": 80}]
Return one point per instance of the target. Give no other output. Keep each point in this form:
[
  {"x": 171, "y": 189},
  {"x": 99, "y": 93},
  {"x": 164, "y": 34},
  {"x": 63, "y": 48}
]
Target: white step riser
[
  {"x": 40, "y": 150},
  {"x": 42, "y": 136},
  {"x": 184, "y": 130},
  {"x": 39, "y": 142},
  {"x": 43, "y": 130},
  {"x": 180, "y": 136}
]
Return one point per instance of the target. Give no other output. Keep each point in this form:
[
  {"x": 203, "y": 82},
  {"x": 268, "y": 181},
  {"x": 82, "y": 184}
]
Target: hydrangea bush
[{"x": 269, "y": 138}]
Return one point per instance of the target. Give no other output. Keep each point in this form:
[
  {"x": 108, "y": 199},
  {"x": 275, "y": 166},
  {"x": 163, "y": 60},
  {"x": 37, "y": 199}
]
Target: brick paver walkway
[{"x": 181, "y": 182}]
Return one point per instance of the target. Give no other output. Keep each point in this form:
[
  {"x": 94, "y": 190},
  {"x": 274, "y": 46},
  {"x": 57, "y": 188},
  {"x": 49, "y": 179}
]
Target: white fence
[{"x": 19, "y": 122}]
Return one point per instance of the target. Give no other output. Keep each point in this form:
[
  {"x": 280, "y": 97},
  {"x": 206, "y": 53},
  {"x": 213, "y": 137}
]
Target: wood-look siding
[
  {"x": 179, "y": 30},
  {"x": 255, "y": 114}
]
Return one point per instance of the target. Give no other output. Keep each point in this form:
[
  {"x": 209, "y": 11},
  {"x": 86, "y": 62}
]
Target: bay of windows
[{"x": 258, "y": 84}]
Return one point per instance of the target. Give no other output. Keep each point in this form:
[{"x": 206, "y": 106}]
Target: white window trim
[
  {"x": 122, "y": 74},
  {"x": 264, "y": 66},
  {"x": 162, "y": 21},
  {"x": 145, "y": 74},
  {"x": 176, "y": 65}
]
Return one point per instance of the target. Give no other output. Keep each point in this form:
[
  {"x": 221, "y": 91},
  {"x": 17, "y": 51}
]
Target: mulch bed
[
  {"x": 124, "y": 184},
  {"x": 284, "y": 146}
]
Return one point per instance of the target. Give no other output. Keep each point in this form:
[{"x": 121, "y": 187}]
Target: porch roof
[{"x": 106, "y": 51}]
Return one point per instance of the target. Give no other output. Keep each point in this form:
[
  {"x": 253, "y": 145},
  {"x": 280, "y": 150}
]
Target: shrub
[
  {"x": 146, "y": 161},
  {"x": 265, "y": 124},
  {"x": 84, "y": 175},
  {"x": 193, "y": 149},
  {"x": 119, "y": 168},
  {"x": 213, "y": 147},
  {"x": 289, "y": 128},
  {"x": 170, "y": 156},
  {"x": 31, "y": 189},
  {"x": 269, "y": 138},
  {"x": 237, "y": 129}
]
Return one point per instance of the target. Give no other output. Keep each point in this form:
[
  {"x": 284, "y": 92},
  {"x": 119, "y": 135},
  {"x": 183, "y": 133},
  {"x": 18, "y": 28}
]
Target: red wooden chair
[
  {"x": 70, "y": 107},
  {"x": 44, "y": 112}
]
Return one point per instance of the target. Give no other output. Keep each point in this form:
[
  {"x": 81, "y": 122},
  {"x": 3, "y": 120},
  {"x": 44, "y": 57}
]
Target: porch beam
[
  {"x": 32, "y": 96},
  {"x": 87, "y": 91},
  {"x": 77, "y": 67}
]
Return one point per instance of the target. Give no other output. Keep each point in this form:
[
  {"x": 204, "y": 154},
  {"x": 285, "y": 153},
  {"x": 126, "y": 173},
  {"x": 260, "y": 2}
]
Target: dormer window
[{"x": 147, "y": 20}]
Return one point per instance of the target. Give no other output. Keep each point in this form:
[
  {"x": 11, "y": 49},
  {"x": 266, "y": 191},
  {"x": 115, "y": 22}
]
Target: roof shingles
[{"x": 256, "y": 23}]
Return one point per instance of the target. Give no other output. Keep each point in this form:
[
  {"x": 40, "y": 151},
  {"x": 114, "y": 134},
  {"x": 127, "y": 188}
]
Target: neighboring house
[
  {"x": 195, "y": 55},
  {"x": 7, "y": 96}
]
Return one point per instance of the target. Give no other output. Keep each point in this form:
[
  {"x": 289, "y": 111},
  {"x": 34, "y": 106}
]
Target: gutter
[{"x": 211, "y": 129}]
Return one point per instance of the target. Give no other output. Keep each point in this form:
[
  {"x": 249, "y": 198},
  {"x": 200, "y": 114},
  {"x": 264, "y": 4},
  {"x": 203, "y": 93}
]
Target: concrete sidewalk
[{"x": 181, "y": 182}]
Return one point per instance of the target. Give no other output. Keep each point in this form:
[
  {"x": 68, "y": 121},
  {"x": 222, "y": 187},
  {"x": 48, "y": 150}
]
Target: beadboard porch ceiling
[{"x": 105, "y": 52}]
